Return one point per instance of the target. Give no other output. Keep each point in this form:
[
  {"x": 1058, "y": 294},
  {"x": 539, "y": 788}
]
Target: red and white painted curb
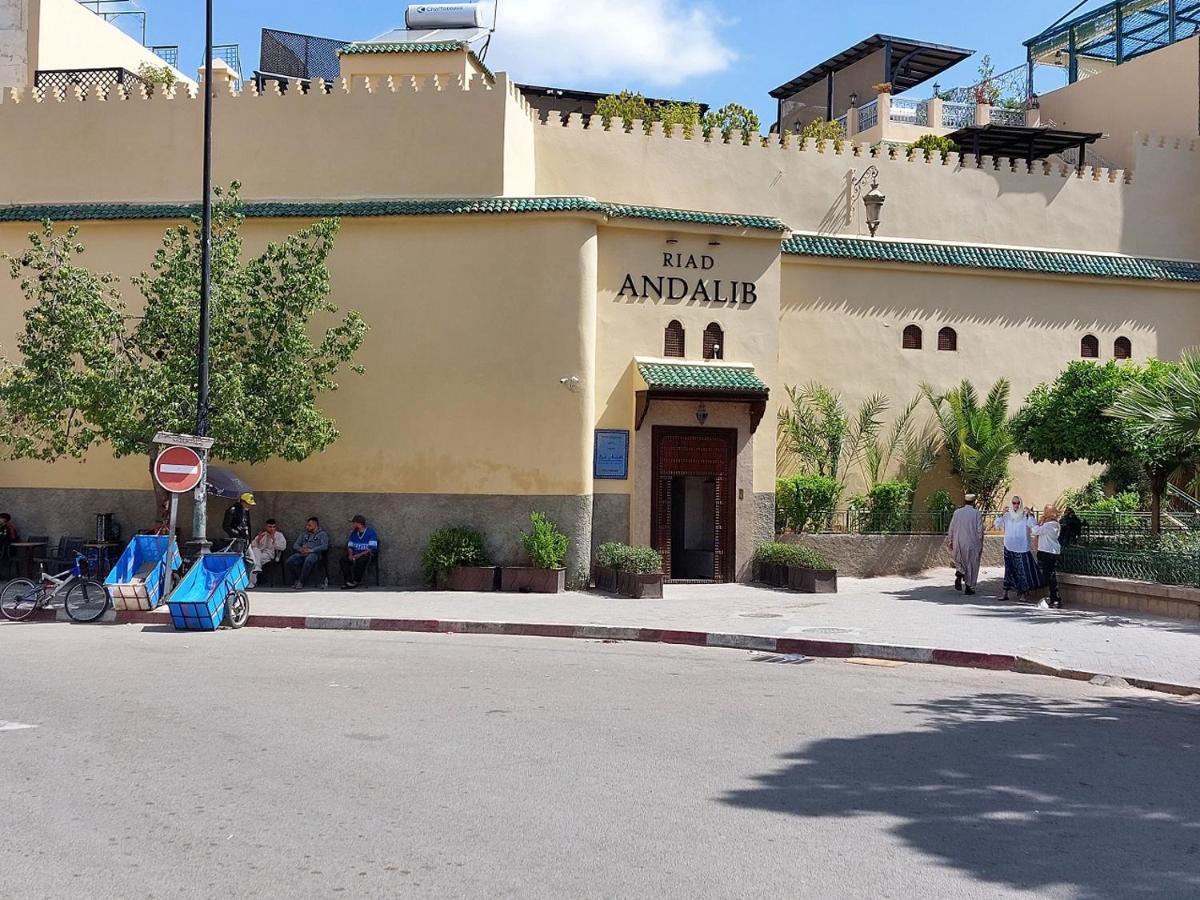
[{"x": 997, "y": 662}]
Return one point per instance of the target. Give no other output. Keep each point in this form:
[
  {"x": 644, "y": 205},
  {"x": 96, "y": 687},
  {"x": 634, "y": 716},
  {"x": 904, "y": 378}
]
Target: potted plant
[
  {"x": 457, "y": 560},
  {"x": 608, "y": 562},
  {"x": 771, "y": 563},
  {"x": 811, "y": 574},
  {"x": 884, "y": 87},
  {"x": 640, "y": 574},
  {"x": 546, "y": 547}
]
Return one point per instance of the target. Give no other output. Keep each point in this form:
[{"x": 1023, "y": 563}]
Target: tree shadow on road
[{"x": 1102, "y": 796}]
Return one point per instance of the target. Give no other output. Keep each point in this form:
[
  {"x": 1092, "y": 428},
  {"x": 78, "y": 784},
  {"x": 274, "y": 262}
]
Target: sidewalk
[{"x": 918, "y": 612}]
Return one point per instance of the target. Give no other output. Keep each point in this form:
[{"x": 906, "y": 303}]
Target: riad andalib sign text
[{"x": 690, "y": 284}]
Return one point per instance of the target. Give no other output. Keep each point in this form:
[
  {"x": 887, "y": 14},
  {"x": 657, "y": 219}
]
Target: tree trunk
[{"x": 1158, "y": 485}]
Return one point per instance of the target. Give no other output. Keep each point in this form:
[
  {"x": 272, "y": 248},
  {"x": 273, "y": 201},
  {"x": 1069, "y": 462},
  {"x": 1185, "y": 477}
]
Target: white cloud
[{"x": 662, "y": 42}]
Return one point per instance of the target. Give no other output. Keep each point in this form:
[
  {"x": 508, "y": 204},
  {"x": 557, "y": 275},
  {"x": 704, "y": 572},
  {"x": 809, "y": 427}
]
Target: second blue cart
[{"x": 212, "y": 593}]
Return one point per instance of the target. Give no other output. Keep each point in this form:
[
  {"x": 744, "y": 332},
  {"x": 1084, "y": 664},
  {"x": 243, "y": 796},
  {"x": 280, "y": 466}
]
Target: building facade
[{"x": 598, "y": 323}]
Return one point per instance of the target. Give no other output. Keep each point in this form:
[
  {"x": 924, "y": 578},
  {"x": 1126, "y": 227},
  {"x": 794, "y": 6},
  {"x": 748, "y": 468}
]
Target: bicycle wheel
[
  {"x": 87, "y": 601},
  {"x": 19, "y": 599},
  {"x": 237, "y": 609}
]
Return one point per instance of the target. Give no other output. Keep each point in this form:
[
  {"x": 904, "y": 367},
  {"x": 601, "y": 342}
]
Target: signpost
[{"x": 178, "y": 469}]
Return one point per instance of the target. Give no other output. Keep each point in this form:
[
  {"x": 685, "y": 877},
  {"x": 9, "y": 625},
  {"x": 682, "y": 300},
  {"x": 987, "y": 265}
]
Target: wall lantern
[
  {"x": 873, "y": 200},
  {"x": 854, "y": 99},
  {"x": 702, "y": 414}
]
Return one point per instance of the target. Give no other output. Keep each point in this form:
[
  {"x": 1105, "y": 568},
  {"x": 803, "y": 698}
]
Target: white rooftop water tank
[{"x": 444, "y": 15}]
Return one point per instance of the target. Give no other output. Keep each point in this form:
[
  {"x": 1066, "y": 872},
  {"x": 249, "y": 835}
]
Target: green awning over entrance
[{"x": 687, "y": 378}]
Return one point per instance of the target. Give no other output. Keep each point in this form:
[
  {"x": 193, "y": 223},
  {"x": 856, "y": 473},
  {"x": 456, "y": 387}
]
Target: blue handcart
[
  {"x": 212, "y": 592},
  {"x": 142, "y": 576}
]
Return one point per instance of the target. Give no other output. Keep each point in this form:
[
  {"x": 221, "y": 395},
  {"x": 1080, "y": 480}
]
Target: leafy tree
[
  {"x": 89, "y": 372},
  {"x": 977, "y": 438},
  {"x": 929, "y": 144},
  {"x": 1067, "y": 421},
  {"x": 911, "y": 448},
  {"x": 732, "y": 117},
  {"x": 987, "y": 90},
  {"x": 818, "y": 434}
]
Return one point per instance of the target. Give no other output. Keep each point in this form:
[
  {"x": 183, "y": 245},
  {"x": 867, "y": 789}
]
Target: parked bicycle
[{"x": 84, "y": 599}]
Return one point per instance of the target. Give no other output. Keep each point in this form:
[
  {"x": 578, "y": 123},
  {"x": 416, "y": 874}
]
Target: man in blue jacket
[{"x": 360, "y": 547}]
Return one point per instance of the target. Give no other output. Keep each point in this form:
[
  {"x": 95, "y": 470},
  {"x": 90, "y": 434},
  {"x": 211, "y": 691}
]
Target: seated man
[
  {"x": 311, "y": 547},
  {"x": 268, "y": 546},
  {"x": 360, "y": 547}
]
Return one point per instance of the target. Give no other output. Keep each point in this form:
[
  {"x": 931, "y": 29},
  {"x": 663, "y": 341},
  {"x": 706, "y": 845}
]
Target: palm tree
[
  {"x": 977, "y": 438},
  {"x": 818, "y": 435}
]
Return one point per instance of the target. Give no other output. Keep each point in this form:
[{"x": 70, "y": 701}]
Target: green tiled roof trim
[
  {"x": 80, "y": 212},
  {"x": 407, "y": 47},
  {"x": 707, "y": 377},
  {"x": 1046, "y": 262},
  {"x": 657, "y": 214}
]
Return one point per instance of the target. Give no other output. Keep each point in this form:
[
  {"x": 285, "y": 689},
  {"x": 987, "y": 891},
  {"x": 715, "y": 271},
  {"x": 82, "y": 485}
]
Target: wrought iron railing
[
  {"x": 958, "y": 115},
  {"x": 1158, "y": 566},
  {"x": 168, "y": 53},
  {"x": 910, "y": 112},
  {"x": 888, "y": 521},
  {"x": 868, "y": 115},
  {"x": 1002, "y": 115},
  {"x": 87, "y": 80},
  {"x": 843, "y": 120}
]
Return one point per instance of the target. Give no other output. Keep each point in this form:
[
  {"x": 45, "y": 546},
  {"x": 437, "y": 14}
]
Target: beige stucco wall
[
  {"x": 859, "y": 78},
  {"x": 1158, "y": 93},
  {"x": 15, "y": 41},
  {"x": 73, "y": 37},
  {"x": 842, "y": 325},
  {"x": 456, "y": 64},
  {"x": 473, "y": 322}
]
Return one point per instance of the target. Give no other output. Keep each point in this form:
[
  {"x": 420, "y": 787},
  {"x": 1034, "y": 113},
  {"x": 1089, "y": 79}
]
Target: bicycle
[{"x": 84, "y": 599}]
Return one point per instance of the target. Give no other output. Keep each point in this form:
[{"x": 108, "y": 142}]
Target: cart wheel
[
  {"x": 87, "y": 601},
  {"x": 19, "y": 599},
  {"x": 237, "y": 609}
]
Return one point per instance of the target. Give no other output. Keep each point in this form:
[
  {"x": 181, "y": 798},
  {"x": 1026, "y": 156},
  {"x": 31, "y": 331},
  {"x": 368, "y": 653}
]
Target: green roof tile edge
[
  {"x": 404, "y": 47},
  {"x": 1045, "y": 262},
  {"x": 701, "y": 376},
  {"x": 79, "y": 212}
]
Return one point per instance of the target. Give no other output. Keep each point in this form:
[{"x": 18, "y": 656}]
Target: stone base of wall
[
  {"x": 1168, "y": 600},
  {"x": 403, "y": 521},
  {"x": 876, "y": 555}
]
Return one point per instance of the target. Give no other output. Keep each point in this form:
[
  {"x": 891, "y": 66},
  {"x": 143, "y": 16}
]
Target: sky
[{"x": 712, "y": 51}]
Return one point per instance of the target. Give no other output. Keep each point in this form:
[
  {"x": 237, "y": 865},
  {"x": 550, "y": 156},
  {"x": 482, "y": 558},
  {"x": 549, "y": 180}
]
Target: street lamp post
[{"x": 200, "y": 517}]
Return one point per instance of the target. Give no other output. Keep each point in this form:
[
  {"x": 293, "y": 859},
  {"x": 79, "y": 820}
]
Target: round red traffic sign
[{"x": 178, "y": 469}]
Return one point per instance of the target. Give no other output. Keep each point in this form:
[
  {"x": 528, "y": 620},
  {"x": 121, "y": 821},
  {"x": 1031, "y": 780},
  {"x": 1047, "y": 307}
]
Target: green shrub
[
  {"x": 623, "y": 558},
  {"x": 545, "y": 544},
  {"x": 806, "y": 502},
  {"x": 929, "y": 144},
  {"x": 886, "y": 508},
  {"x": 450, "y": 548},
  {"x": 777, "y": 554},
  {"x": 941, "y": 508}
]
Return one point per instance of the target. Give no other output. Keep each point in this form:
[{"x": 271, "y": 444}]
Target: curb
[{"x": 966, "y": 659}]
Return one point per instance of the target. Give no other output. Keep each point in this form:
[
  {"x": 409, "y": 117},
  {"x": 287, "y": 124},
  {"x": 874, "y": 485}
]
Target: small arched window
[
  {"x": 1122, "y": 348},
  {"x": 912, "y": 337},
  {"x": 948, "y": 339},
  {"x": 673, "y": 340},
  {"x": 714, "y": 342},
  {"x": 1089, "y": 347}
]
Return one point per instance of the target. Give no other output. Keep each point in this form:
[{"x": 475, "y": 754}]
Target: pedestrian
[
  {"x": 268, "y": 546},
  {"x": 1020, "y": 566},
  {"x": 1049, "y": 548},
  {"x": 360, "y": 547},
  {"x": 236, "y": 523},
  {"x": 311, "y": 547},
  {"x": 965, "y": 539},
  {"x": 8, "y": 537},
  {"x": 1072, "y": 527}
]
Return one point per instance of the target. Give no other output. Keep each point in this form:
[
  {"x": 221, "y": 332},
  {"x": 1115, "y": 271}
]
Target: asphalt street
[{"x": 139, "y": 762}]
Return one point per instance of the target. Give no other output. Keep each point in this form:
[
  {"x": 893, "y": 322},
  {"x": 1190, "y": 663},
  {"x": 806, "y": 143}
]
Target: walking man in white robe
[{"x": 965, "y": 540}]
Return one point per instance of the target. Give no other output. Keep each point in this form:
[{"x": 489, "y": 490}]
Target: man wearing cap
[
  {"x": 965, "y": 540},
  {"x": 236, "y": 523},
  {"x": 360, "y": 547}
]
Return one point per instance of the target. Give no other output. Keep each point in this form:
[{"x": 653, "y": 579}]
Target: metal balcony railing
[
  {"x": 868, "y": 115},
  {"x": 1001, "y": 115},
  {"x": 910, "y": 112},
  {"x": 87, "y": 80},
  {"x": 958, "y": 115}
]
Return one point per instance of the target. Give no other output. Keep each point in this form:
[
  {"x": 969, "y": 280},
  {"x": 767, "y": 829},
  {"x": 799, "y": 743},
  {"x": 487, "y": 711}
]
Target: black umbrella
[{"x": 223, "y": 483}]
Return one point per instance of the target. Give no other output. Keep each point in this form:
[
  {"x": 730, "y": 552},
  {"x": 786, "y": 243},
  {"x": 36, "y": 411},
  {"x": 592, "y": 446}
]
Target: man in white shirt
[
  {"x": 1020, "y": 568},
  {"x": 268, "y": 546}
]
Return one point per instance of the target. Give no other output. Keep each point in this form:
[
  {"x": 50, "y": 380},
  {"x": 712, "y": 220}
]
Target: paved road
[
  {"x": 916, "y": 612},
  {"x": 342, "y": 764}
]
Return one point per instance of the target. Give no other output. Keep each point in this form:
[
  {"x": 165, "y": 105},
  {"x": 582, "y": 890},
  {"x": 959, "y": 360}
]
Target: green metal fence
[{"x": 1159, "y": 566}]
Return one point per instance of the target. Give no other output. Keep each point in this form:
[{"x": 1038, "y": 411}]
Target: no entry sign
[{"x": 178, "y": 469}]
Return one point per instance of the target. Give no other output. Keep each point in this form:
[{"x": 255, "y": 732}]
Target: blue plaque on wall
[{"x": 611, "y": 458}]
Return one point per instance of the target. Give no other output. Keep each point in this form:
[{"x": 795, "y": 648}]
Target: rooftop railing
[
  {"x": 868, "y": 115},
  {"x": 910, "y": 112},
  {"x": 87, "y": 80}
]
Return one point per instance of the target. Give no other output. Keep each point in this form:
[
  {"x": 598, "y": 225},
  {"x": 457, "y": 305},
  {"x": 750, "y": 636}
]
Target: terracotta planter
[
  {"x": 813, "y": 581},
  {"x": 523, "y": 580},
  {"x": 604, "y": 578},
  {"x": 773, "y": 575},
  {"x": 477, "y": 579},
  {"x": 640, "y": 587}
]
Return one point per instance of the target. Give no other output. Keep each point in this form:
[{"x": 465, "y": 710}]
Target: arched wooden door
[{"x": 693, "y": 512}]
